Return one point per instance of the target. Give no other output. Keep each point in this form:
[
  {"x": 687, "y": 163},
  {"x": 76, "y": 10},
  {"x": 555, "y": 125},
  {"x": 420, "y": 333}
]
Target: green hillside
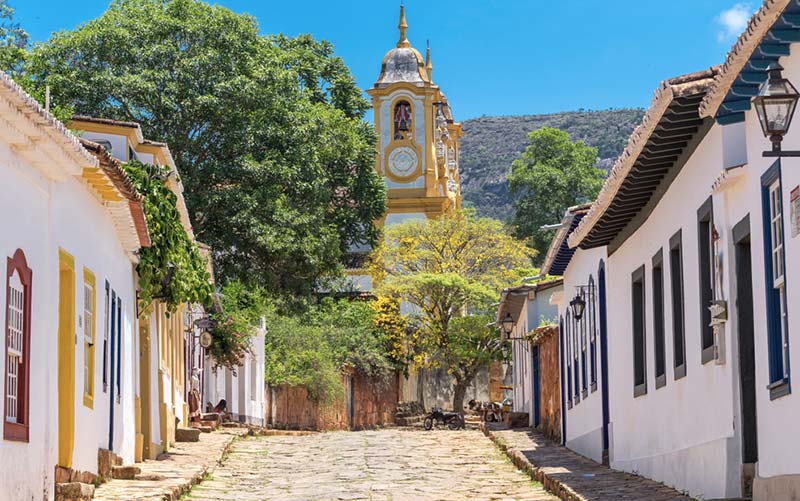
[{"x": 490, "y": 144}]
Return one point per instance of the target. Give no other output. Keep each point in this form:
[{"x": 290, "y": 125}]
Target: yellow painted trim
[
  {"x": 144, "y": 385},
  {"x": 116, "y": 130},
  {"x": 89, "y": 279},
  {"x": 66, "y": 358}
]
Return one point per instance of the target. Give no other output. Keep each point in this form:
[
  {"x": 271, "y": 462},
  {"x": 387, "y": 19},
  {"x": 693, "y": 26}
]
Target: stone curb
[
  {"x": 553, "y": 485},
  {"x": 175, "y": 492}
]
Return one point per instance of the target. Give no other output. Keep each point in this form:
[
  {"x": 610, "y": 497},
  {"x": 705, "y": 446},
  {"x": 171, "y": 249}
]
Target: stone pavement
[
  {"x": 572, "y": 476},
  {"x": 388, "y": 464},
  {"x": 172, "y": 475}
]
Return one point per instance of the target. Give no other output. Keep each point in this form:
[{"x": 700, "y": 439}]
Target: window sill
[
  {"x": 15, "y": 432},
  {"x": 569, "y": 405},
  {"x": 640, "y": 390},
  {"x": 594, "y": 387},
  {"x": 708, "y": 354},
  {"x": 88, "y": 401},
  {"x": 680, "y": 372},
  {"x": 661, "y": 381},
  {"x": 584, "y": 394},
  {"x": 779, "y": 388}
]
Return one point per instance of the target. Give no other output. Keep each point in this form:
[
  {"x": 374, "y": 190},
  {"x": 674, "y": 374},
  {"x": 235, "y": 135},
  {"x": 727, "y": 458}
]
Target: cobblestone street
[{"x": 390, "y": 464}]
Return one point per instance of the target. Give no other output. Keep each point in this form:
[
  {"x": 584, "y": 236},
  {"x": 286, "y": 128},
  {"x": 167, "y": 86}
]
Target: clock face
[{"x": 403, "y": 161}]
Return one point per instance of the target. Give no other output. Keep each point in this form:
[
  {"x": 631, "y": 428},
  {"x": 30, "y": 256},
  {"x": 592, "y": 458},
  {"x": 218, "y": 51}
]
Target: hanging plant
[{"x": 171, "y": 269}]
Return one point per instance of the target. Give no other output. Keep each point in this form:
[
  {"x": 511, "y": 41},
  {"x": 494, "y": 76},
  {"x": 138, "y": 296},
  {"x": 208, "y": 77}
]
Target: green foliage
[
  {"x": 552, "y": 174},
  {"x": 448, "y": 268},
  {"x": 170, "y": 245},
  {"x": 243, "y": 307},
  {"x": 266, "y": 131},
  {"x": 491, "y": 144},
  {"x": 13, "y": 40},
  {"x": 312, "y": 349}
]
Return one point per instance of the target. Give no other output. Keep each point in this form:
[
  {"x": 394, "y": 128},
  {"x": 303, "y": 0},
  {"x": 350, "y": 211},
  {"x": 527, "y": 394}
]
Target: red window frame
[{"x": 19, "y": 431}]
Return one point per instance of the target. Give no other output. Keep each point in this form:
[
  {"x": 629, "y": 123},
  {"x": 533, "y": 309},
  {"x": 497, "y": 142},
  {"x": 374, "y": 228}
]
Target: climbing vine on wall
[{"x": 171, "y": 247}]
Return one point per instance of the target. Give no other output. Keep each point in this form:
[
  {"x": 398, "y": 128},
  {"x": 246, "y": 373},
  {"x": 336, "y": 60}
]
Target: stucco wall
[
  {"x": 40, "y": 216},
  {"x": 585, "y": 418}
]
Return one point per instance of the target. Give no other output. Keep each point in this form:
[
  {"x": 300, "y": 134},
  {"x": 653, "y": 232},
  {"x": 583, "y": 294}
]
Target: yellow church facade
[{"x": 417, "y": 143}]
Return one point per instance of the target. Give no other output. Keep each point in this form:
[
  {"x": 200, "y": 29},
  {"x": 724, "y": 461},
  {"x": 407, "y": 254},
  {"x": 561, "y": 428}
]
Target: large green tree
[
  {"x": 451, "y": 268},
  {"x": 267, "y": 131},
  {"x": 553, "y": 174}
]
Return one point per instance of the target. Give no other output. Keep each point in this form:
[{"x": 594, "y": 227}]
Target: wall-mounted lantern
[
  {"x": 775, "y": 104},
  {"x": 578, "y": 304}
]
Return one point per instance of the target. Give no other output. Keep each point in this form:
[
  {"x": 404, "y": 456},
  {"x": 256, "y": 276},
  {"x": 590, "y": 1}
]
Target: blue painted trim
[
  {"x": 112, "y": 385},
  {"x": 733, "y": 118},
  {"x": 785, "y": 35},
  {"x": 778, "y": 374},
  {"x": 736, "y": 105},
  {"x": 601, "y": 285}
]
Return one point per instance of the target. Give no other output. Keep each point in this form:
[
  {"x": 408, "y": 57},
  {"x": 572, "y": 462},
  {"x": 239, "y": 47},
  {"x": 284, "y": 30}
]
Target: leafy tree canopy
[
  {"x": 552, "y": 175},
  {"x": 13, "y": 40},
  {"x": 449, "y": 270},
  {"x": 266, "y": 131}
]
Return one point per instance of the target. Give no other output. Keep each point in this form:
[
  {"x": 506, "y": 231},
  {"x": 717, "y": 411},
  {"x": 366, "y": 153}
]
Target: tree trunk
[{"x": 459, "y": 391}]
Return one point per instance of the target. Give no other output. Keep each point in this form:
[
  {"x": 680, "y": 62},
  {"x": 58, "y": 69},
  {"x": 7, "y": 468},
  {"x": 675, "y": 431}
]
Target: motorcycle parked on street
[{"x": 453, "y": 420}]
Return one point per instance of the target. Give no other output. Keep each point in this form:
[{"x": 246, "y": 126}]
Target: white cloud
[{"x": 733, "y": 21}]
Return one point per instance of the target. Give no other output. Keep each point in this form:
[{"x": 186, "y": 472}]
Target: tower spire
[
  {"x": 428, "y": 65},
  {"x": 403, "y": 27}
]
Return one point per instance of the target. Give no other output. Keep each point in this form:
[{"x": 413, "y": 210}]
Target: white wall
[
  {"x": 680, "y": 433},
  {"x": 27, "y": 468},
  {"x": 40, "y": 216},
  {"x": 83, "y": 228},
  {"x": 585, "y": 419},
  {"x": 778, "y": 419}
]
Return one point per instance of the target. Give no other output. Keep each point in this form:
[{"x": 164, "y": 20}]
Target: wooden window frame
[
  {"x": 705, "y": 262},
  {"x": 89, "y": 351},
  {"x": 659, "y": 334},
  {"x": 776, "y": 311},
  {"x": 638, "y": 281},
  {"x": 19, "y": 431},
  {"x": 678, "y": 304}
]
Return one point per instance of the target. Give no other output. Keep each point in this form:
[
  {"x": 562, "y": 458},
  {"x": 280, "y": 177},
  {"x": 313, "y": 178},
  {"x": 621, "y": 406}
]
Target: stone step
[
  {"x": 213, "y": 424},
  {"x": 125, "y": 472},
  {"x": 150, "y": 477},
  {"x": 74, "y": 491},
  {"x": 187, "y": 435},
  {"x": 231, "y": 424},
  {"x": 210, "y": 416}
]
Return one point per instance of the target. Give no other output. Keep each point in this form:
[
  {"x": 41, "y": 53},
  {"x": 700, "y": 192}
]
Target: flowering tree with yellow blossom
[{"x": 449, "y": 270}]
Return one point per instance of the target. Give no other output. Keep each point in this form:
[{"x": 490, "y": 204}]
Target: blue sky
[{"x": 495, "y": 57}]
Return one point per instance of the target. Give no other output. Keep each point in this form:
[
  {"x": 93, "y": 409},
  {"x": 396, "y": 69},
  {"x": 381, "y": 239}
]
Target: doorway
[
  {"x": 747, "y": 363},
  {"x": 350, "y": 404},
  {"x": 601, "y": 285},
  {"x": 66, "y": 358},
  {"x": 144, "y": 384}
]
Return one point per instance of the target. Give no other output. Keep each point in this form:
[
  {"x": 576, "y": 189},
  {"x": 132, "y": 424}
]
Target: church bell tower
[{"x": 417, "y": 139}]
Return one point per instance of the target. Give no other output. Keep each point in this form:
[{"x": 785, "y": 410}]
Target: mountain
[{"x": 490, "y": 144}]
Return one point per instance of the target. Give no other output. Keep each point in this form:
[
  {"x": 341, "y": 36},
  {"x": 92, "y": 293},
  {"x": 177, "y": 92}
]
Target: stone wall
[
  {"x": 550, "y": 377},
  {"x": 437, "y": 386},
  {"x": 374, "y": 405}
]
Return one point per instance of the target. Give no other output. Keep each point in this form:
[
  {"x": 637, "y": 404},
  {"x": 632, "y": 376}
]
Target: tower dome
[{"x": 403, "y": 63}]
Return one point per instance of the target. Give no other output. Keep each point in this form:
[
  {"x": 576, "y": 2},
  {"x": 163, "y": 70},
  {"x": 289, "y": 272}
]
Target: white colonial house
[
  {"x": 527, "y": 307},
  {"x": 584, "y": 368},
  {"x": 72, "y": 224},
  {"x": 701, "y": 230},
  {"x": 244, "y": 390}
]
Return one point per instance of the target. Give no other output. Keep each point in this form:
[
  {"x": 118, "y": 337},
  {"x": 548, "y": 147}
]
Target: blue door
[
  {"x": 601, "y": 282},
  {"x": 537, "y": 396},
  {"x": 114, "y": 362}
]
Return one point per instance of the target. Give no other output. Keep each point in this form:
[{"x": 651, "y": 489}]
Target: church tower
[{"x": 417, "y": 139}]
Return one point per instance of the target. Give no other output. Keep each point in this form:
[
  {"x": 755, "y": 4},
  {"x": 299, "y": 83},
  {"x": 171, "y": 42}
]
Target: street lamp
[
  {"x": 578, "y": 304},
  {"x": 508, "y": 324},
  {"x": 775, "y": 104}
]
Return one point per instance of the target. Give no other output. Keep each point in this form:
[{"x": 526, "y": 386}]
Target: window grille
[{"x": 15, "y": 312}]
